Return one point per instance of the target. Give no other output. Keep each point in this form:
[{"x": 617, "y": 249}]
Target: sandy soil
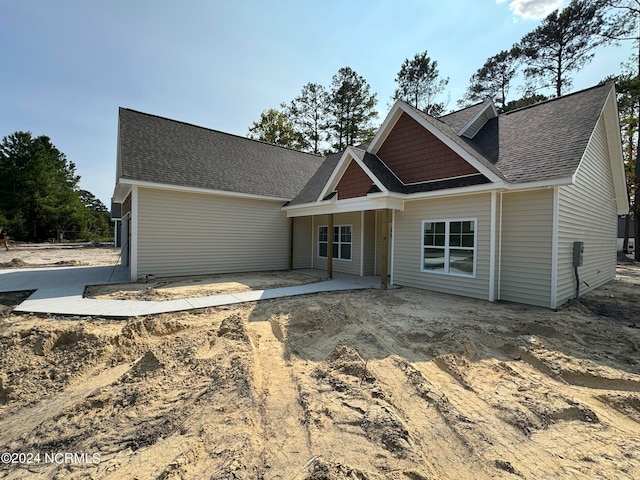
[
  {"x": 25, "y": 255},
  {"x": 198, "y": 286},
  {"x": 403, "y": 384}
]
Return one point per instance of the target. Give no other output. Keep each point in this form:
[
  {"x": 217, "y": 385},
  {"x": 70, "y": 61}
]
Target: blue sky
[{"x": 67, "y": 65}]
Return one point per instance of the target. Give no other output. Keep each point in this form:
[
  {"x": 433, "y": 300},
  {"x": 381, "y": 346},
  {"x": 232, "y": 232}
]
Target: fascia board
[
  {"x": 488, "y": 106},
  {"x": 339, "y": 170},
  {"x": 614, "y": 144},
  {"x": 178, "y": 188},
  {"x": 121, "y": 191},
  {"x": 345, "y": 206},
  {"x": 454, "y": 146},
  {"x": 386, "y": 127}
]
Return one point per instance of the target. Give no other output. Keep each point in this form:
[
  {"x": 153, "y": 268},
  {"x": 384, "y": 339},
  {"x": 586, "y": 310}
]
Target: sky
[{"x": 67, "y": 65}]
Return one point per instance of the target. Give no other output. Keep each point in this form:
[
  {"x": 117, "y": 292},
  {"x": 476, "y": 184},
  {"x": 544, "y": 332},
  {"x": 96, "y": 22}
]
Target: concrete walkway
[{"x": 60, "y": 291}]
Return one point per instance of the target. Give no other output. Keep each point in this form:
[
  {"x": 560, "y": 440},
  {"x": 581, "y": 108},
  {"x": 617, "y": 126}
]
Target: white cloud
[{"x": 532, "y": 9}]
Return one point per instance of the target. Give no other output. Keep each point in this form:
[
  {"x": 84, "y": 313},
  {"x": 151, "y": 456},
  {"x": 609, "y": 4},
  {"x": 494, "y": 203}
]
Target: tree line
[
  {"x": 40, "y": 197},
  {"x": 540, "y": 66}
]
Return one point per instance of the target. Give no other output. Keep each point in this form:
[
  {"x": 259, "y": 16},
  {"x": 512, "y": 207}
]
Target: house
[
  {"x": 198, "y": 201},
  {"x": 472, "y": 203}
]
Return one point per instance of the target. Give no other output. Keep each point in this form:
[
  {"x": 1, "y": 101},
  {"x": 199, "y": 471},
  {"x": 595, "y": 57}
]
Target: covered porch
[{"x": 358, "y": 244}]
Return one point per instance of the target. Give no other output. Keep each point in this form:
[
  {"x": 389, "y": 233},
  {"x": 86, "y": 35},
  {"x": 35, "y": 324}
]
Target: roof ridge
[
  {"x": 462, "y": 109},
  {"x": 219, "y": 131},
  {"x": 549, "y": 100}
]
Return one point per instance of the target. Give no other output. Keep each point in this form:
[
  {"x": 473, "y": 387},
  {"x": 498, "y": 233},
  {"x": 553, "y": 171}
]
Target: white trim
[
  {"x": 340, "y": 169},
  {"x": 313, "y": 241},
  {"x": 396, "y": 111},
  {"x": 334, "y": 243},
  {"x": 133, "y": 247},
  {"x": 492, "y": 248},
  {"x": 443, "y": 179},
  {"x": 362, "y": 243},
  {"x": 446, "y": 248},
  {"x": 393, "y": 244},
  {"x": 476, "y": 117},
  {"x": 375, "y": 242},
  {"x": 223, "y": 193},
  {"x": 377, "y": 202},
  {"x": 554, "y": 248}
]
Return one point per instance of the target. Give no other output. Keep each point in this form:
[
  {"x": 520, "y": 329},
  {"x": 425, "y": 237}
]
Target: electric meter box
[{"x": 578, "y": 253}]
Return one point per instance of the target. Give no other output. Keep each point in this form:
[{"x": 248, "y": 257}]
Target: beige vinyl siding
[
  {"x": 527, "y": 232},
  {"x": 408, "y": 244},
  {"x": 188, "y": 233},
  {"x": 369, "y": 242},
  {"x": 594, "y": 222},
  {"x": 302, "y": 239},
  {"x": 379, "y": 228},
  {"x": 342, "y": 266}
]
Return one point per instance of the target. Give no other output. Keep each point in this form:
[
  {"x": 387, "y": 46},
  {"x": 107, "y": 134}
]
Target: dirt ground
[{"x": 402, "y": 384}]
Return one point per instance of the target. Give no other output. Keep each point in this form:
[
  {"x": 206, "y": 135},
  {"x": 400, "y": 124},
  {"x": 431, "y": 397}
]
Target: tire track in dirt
[
  {"x": 286, "y": 439},
  {"x": 20, "y": 424}
]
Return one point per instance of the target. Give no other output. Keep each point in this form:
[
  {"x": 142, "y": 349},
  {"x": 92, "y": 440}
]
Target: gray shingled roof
[
  {"x": 540, "y": 142},
  {"x": 160, "y": 150},
  {"x": 460, "y": 118},
  {"x": 543, "y": 141}
]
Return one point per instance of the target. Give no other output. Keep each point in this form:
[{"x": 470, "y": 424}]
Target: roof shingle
[{"x": 160, "y": 150}]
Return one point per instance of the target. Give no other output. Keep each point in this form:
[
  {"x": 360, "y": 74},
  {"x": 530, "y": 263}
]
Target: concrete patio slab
[{"x": 60, "y": 291}]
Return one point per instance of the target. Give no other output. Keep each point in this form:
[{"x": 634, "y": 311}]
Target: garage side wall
[
  {"x": 189, "y": 234},
  {"x": 583, "y": 218}
]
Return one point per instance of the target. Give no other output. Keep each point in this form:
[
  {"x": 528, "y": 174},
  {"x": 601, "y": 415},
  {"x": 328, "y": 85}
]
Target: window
[
  {"x": 449, "y": 247},
  {"x": 341, "y": 242}
]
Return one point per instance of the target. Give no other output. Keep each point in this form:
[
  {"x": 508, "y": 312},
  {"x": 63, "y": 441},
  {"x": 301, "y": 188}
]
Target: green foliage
[
  {"x": 493, "y": 80},
  {"x": 419, "y": 83},
  {"x": 39, "y": 189},
  {"x": 523, "y": 102},
  {"x": 274, "y": 127},
  {"x": 350, "y": 110},
  {"x": 306, "y": 112},
  {"x": 562, "y": 44}
]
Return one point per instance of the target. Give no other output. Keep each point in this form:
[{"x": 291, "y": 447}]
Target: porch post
[
  {"x": 330, "y": 246},
  {"x": 384, "y": 268}
]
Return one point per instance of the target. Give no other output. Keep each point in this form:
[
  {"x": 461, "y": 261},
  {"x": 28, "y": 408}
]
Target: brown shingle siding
[
  {"x": 354, "y": 183},
  {"x": 415, "y": 155}
]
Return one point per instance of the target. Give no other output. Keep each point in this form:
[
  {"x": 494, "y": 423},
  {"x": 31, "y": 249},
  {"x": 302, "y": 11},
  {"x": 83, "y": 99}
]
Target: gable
[
  {"x": 354, "y": 183},
  {"x": 416, "y": 155}
]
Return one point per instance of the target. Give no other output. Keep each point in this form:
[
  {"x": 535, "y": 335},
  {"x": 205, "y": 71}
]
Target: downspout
[
  {"x": 393, "y": 244},
  {"x": 492, "y": 248},
  {"x": 362, "y": 243},
  {"x": 133, "y": 247},
  {"x": 498, "y": 297}
]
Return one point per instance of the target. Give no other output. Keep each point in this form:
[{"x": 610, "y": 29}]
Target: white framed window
[
  {"x": 341, "y": 241},
  {"x": 449, "y": 246}
]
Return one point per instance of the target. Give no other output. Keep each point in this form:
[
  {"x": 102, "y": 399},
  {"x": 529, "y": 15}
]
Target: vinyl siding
[
  {"x": 302, "y": 238},
  {"x": 342, "y": 266},
  {"x": 369, "y": 242},
  {"x": 588, "y": 213},
  {"x": 187, "y": 234},
  {"x": 379, "y": 228},
  {"x": 527, "y": 219},
  {"x": 408, "y": 244}
]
